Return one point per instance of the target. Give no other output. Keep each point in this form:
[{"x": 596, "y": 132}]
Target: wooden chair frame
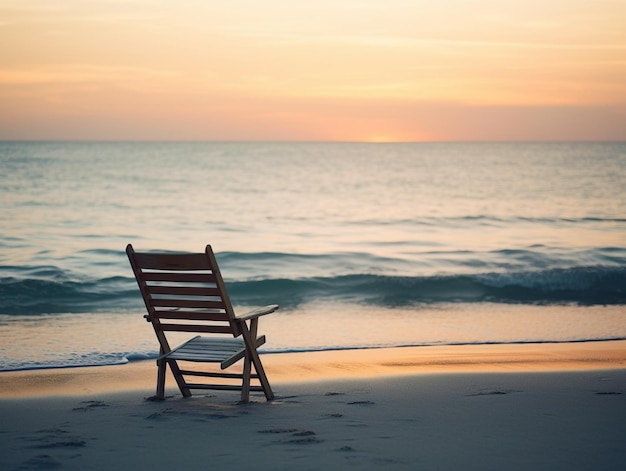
[{"x": 185, "y": 292}]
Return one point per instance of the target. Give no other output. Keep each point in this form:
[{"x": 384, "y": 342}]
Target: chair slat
[
  {"x": 179, "y": 290},
  {"x": 222, "y": 387},
  {"x": 216, "y": 374},
  {"x": 172, "y": 261},
  {"x": 207, "y": 329},
  {"x": 192, "y": 315},
  {"x": 188, "y": 277},
  {"x": 187, "y": 303}
]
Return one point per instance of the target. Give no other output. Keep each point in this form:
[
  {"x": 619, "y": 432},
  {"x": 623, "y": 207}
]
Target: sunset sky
[{"x": 360, "y": 70}]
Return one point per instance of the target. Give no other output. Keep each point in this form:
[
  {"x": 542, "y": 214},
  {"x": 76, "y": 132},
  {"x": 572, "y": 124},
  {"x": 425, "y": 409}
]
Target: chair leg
[
  {"x": 256, "y": 361},
  {"x": 160, "y": 390},
  {"x": 267, "y": 389},
  {"x": 245, "y": 385},
  {"x": 178, "y": 376}
]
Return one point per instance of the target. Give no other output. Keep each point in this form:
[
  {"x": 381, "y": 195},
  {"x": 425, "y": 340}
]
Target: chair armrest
[{"x": 262, "y": 311}]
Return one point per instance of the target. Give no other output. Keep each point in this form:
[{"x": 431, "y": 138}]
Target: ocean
[{"x": 362, "y": 245}]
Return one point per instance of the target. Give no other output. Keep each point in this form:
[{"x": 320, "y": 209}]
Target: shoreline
[{"x": 328, "y": 365}]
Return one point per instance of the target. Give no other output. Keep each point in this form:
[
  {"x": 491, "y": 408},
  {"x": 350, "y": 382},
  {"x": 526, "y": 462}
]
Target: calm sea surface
[{"x": 362, "y": 245}]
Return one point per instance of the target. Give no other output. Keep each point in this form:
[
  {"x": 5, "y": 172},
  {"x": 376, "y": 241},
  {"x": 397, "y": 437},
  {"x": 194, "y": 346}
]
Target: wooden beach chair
[{"x": 185, "y": 292}]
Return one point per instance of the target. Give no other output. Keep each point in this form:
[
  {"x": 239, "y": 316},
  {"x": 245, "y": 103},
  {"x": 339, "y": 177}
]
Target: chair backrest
[{"x": 183, "y": 292}]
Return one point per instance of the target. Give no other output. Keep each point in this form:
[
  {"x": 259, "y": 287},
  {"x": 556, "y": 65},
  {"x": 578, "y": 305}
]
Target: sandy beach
[{"x": 534, "y": 406}]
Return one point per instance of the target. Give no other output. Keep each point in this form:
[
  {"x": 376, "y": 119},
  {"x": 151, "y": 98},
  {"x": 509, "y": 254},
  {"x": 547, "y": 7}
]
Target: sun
[{"x": 382, "y": 138}]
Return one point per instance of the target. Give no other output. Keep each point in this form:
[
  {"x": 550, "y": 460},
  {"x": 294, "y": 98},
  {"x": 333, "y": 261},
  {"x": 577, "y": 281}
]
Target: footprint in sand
[
  {"x": 346, "y": 449},
  {"x": 300, "y": 437},
  {"x": 57, "y": 438},
  {"x": 90, "y": 405},
  {"x": 492, "y": 392}
]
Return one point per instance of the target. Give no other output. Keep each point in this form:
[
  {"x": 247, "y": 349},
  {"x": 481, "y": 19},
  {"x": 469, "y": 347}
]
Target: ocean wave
[
  {"x": 489, "y": 220},
  {"x": 52, "y": 296},
  {"x": 416, "y": 260},
  {"x": 584, "y": 285},
  {"x": 51, "y": 291},
  {"x": 71, "y": 361}
]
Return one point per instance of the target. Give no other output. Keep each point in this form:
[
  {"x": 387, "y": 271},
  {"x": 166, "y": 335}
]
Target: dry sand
[{"x": 548, "y": 406}]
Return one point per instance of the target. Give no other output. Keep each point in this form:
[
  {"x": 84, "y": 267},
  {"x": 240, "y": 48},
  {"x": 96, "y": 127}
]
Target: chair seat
[{"x": 226, "y": 351}]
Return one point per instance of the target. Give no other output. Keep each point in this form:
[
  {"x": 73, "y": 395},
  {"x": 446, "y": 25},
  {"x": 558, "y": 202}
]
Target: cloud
[{"x": 80, "y": 73}]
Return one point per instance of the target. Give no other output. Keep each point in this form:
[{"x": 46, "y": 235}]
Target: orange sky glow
[{"x": 393, "y": 70}]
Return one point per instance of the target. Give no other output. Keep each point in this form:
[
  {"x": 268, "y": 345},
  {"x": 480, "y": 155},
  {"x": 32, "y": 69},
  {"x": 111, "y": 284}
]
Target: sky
[{"x": 328, "y": 70}]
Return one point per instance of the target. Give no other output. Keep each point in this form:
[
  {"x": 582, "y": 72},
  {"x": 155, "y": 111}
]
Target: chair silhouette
[{"x": 185, "y": 292}]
